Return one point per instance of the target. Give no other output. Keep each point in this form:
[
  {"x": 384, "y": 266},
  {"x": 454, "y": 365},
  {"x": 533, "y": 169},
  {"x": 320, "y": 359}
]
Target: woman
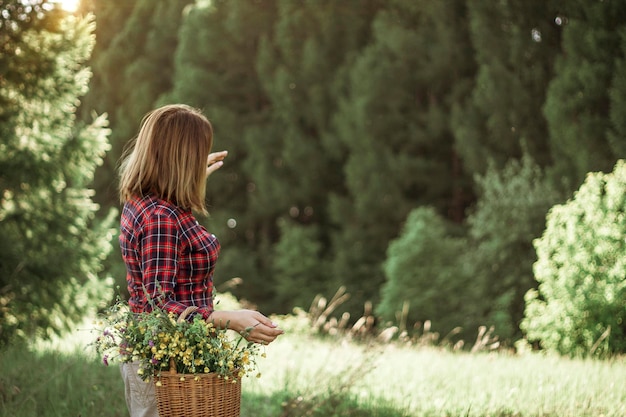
[{"x": 169, "y": 256}]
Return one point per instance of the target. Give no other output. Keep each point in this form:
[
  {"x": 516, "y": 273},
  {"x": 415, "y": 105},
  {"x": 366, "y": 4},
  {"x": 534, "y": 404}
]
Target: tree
[
  {"x": 617, "y": 95},
  {"x": 132, "y": 61},
  {"x": 578, "y": 308},
  {"x": 424, "y": 269},
  {"x": 299, "y": 271},
  {"x": 509, "y": 214},
  {"x": 578, "y": 101},
  {"x": 217, "y": 50},
  {"x": 515, "y": 44},
  {"x": 269, "y": 70},
  {"x": 133, "y": 64},
  {"x": 52, "y": 246},
  {"x": 393, "y": 123},
  {"x": 302, "y": 66}
]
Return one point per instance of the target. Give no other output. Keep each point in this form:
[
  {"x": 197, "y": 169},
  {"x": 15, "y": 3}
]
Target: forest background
[{"x": 432, "y": 158}]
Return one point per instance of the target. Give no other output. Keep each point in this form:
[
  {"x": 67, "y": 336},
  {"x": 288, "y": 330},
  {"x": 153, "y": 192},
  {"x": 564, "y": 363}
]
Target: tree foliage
[
  {"x": 343, "y": 117},
  {"x": 52, "y": 247},
  {"x": 393, "y": 123},
  {"x": 133, "y": 63},
  {"x": 510, "y": 213},
  {"x": 424, "y": 266},
  {"x": 578, "y": 101},
  {"x": 232, "y": 97},
  {"x": 578, "y": 308},
  {"x": 298, "y": 265},
  {"x": 514, "y": 46}
]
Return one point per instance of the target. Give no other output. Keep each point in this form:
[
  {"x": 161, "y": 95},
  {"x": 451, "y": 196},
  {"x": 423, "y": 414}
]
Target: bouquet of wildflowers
[{"x": 159, "y": 340}]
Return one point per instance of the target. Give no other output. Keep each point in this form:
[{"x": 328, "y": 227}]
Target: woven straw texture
[
  {"x": 209, "y": 396},
  {"x": 202, "y": 395}
]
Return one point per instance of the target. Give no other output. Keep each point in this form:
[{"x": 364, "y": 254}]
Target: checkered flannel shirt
[{"x": 169, "y": 256}]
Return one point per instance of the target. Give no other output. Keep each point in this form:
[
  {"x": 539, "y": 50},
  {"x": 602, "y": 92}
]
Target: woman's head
[{"x": 168, "y": 158}]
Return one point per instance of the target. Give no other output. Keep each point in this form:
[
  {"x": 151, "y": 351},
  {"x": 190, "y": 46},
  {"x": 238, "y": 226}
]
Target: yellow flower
[{"x": 158, "y": 383}]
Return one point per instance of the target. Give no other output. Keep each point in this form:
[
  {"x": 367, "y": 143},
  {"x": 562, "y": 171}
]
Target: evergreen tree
[
  {"x": 425, "y": 271},
  {"x": 215, "y": 71},
  {"x": 509, "y": 215},
  {"x": 393, "y": 123},
  {"x": 617, "y": 135},
  {"x": 133, "y": 66},
  {"x": 515, "y": 44},
  {"x": 302, "y": 65},
  {"x": 578, "y": 102},
  {"x": 299, "y": 271},
  {"x": 52, "y": 247}
]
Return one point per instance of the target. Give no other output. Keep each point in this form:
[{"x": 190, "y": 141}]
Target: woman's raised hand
[{"x": 215, "y": 161}]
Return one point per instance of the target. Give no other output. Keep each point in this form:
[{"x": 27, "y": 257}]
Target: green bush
[
  {"x": 579, "y": 306},
  {"x": 424, "y": 269},
  {"x": 299, "y": 275},
  {"x": 509, "y": 215}
]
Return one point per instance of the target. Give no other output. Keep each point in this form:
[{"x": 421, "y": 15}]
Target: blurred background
[{"x": 430, "y": 158}]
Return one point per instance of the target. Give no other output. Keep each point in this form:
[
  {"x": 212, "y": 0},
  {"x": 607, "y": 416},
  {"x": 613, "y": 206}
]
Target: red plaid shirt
[{"x": 169, "y": 257}]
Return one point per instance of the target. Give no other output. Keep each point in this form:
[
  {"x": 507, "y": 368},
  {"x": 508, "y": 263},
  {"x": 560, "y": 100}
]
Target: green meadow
[{"x": 305, "y": 375}]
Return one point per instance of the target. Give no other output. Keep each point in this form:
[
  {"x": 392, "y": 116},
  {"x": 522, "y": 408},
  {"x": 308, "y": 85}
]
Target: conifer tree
[
  {"x": 215, "y": 71},
  {"x": 133, "y": 66},
  {"x": 303, "y": 66},
  {"x": 509, "y": 215},
  {"x": 52, "y": 248},
  {"x": 578, "y": 104},
  {"x": 617, "y": 135},
  {"x": 393, "y": 122},
  {"x": 515, "y": 44},
  {"x": 427, "y": 278}
]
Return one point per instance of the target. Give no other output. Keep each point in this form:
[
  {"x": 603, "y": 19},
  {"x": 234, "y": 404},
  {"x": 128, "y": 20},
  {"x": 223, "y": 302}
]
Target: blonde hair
[{"x": 168, "y": 158}]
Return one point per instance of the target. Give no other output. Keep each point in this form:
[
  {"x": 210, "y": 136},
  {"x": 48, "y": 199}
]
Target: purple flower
[
  {"x": 151, "y": 343},
  {"x": 105, "y": 360}
]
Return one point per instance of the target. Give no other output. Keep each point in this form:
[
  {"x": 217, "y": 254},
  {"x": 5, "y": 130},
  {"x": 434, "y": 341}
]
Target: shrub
[
  {"x": 578, "y": 308},
  {"x": 509, "y": 215},
  {"x": 424, "y": 269}
]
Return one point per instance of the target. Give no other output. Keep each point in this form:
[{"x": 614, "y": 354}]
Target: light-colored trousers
[{"x": 140, "y": 395}]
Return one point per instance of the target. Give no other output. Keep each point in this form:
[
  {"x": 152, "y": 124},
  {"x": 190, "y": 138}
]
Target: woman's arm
[{"x": 251, "y": 324}]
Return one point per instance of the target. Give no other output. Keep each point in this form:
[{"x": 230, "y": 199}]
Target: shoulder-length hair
[{"x": 168, "y": 158}]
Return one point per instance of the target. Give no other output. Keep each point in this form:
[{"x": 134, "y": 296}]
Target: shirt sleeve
[{"x": 159, "y": 259}]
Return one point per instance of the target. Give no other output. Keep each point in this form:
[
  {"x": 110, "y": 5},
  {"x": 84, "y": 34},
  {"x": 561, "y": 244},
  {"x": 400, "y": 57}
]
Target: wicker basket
[
  {"x": 202, "y": 395},
  {"x": 208, "y": 396}
]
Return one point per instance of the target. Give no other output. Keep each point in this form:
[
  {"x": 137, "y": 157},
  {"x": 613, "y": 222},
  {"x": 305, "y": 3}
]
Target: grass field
[{"x": 308, "y": 376}]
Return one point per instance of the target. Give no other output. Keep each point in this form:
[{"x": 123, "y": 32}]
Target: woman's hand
[
  {"x": 215, "y": 161},
  {"x": 254, "y": 326}
]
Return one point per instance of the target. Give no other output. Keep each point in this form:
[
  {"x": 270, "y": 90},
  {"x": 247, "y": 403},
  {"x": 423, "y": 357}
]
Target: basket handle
[
  {"x": 187, "y": 312},
  {"x": 181, "y": 318}
]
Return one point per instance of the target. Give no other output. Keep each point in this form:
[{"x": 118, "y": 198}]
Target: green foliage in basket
[{"x": 154, "y": 338}]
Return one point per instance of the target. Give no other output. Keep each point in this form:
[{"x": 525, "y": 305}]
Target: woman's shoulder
[{"x": 148, "y": 207}]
